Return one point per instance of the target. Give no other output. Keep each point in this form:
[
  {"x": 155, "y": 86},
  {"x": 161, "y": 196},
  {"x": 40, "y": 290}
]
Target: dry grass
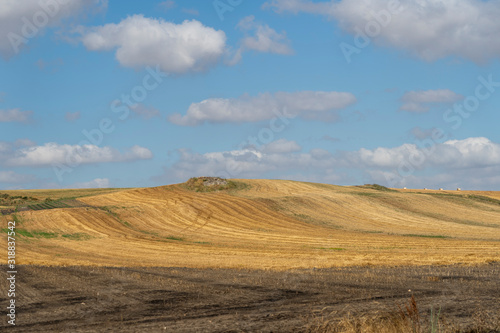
[
  {"x": 390, "y": 323},
  {"x": 269, "y": 224},
  {"x": 405, "y": 319},
  {"x": 347, "y": 299}
]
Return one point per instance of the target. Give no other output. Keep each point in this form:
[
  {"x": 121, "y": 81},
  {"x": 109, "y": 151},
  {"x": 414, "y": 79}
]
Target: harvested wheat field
[
  {"x": 265, "y": 224},
  {"x": 256, "y": 256}
]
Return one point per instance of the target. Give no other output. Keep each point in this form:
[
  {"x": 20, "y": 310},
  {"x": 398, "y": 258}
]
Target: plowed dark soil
[{"x": 102, "y": 299}]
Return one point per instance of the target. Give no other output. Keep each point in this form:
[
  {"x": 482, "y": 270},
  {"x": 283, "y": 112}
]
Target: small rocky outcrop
[
  {"x": 213, "y": 181},
  {"x": 209, "y": 184}
]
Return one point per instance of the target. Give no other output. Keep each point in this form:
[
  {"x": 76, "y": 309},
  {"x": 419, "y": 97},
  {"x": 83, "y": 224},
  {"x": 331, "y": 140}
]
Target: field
[
  {"x": 274, "y": 248},
  {"x": 131, "y": 299},
  {"x": 262, "y": 225}
]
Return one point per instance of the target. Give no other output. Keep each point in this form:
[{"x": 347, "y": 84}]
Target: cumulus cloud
[
  {"x": 307, "y": 104},
  {"x": 429, "y": 29},
  {"x": 7, "y": 149},
  {"x": 468, "y": 153},
  {"x": 285, "y": 155},
  {"x": 466, "y": 162},
  {"x": 72, "y": 116},
  {"x": 422, "y": 100},
  {"x": 452, "y": 154},
  {"x": 382, "y": 157},
  {"x": 15, "y": 115},
  {"x": 265, "y": 38},
  {"x": 467, "y": 179},
  {"x": 260, "y": 38},
  {"x": 281, "y": 146},
  {"x": 23, "y": 20},
  {"x": 248, "y": 163},
  {"x": 53, "y": 153},
  {"x": 11, "y": 177},
  {"x": 176, "y": 48},
  {"x": 95, "y": 183}
]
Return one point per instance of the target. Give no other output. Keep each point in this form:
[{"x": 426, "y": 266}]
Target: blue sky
[{"x": 125, "y": 93}]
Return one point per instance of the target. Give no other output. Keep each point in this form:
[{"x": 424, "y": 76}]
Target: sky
[{"x": 97, "y": 93}]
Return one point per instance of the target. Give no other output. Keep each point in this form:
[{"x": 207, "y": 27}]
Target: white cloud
[
  {"x": 252, "y": 109},
  {"x": 23, "y": 20},
  {"x": 423, "y": 100},
  {"x": 471, "y": 163},
  {"x": 280, "y": 156},
  {"x": 95, "y": 183},
  {"x": 12, "y": 177},
  {"x": 468, "y": 153},
  {"x": 72, "y": 116},
  {"x": 486, "y": 178},
  {"x": 176, "y": 48},
  {"x": 53, "y": 153},
  {"x": 429, "y": 29},
  {"x": 145, "y": 112},
  {"x": 265, "y": 39},
  {"x": 467, "y": 179},
  {"x": 15, "y": 115},
  {"x": 452, "y": 154},
  {"x": 382, "y": 157},
  {"x": 281, "y": 146}
]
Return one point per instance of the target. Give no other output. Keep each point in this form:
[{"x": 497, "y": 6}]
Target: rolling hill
[{"x": 268, "y": 224}]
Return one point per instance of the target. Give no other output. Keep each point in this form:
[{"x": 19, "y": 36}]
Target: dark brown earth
[{"x": 103, "y": 299}]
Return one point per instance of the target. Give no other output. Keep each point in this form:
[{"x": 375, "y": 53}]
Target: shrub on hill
[{"x": 378, "y": 187}]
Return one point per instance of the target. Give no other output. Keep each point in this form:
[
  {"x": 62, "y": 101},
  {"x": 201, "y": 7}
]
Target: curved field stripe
[{"x": 273, "y": 224}]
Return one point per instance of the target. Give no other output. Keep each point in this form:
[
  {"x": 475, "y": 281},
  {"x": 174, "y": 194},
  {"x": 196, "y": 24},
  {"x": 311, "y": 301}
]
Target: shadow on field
[{"x": 105, "y": 299}]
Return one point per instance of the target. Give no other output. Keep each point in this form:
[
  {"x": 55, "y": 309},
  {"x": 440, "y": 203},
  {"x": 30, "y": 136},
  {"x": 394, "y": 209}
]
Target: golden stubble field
[{"x": 265, "y": 224}]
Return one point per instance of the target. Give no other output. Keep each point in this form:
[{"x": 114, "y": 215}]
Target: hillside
[{"x": 261, "y": 224}]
